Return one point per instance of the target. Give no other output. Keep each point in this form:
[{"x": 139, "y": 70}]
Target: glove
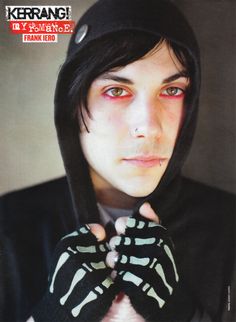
[
  {"x": 146, "y": 270},
  {"x": 80, "y": 286}
]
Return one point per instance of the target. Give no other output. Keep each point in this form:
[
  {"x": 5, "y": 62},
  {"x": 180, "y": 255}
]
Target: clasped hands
[{"x": 88, "y": 272}]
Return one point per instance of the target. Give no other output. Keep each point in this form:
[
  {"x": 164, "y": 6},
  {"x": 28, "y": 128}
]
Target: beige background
[{"x": 28, "y": 145}]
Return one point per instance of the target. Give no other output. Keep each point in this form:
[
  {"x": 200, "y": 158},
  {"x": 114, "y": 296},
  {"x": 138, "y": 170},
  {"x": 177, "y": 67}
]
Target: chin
[{"x": 140, "y": 190}]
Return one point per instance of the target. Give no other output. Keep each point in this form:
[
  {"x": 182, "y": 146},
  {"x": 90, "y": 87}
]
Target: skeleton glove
[
  {"x": 146, "y": 269},
  {"x": 80, "y": 287}
]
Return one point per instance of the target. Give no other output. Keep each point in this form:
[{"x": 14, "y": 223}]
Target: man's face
[{"x": 136, "y": 116}]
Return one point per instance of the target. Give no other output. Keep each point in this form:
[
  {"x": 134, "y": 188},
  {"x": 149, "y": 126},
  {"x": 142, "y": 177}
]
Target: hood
[{"x": 160, "y": 18}]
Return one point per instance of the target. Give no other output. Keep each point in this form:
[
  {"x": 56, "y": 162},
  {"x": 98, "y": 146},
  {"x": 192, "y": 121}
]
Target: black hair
[{"x": 111, "y": 51}]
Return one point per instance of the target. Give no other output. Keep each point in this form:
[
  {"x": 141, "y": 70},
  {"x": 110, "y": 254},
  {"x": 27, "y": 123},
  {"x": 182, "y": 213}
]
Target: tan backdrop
[{"x": 28, "y": 145}]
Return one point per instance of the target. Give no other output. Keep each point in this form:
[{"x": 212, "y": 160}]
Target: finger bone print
[
  {"x": 139, "y": 224},
  {"x": 151, "y": 263},
  {"x": 66, "y": 255},
  {"x": 156, "y": 238},
  {"x": 81, "y": 272},
  {"x": 146, "y": 287},
  {"x": 93, "y": 295},
  {"x": 79, "y": 275}
]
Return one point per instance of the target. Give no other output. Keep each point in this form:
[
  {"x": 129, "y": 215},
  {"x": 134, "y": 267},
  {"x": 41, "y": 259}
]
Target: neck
[
  {"x": 115, "y": 199},
  {"x": 108, "y": 195}
]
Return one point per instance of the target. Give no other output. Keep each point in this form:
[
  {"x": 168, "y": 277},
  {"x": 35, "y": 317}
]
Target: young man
[{"x": 125, "y": 110}]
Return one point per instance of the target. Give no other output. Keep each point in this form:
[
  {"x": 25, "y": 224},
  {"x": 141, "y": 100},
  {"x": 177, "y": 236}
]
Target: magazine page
[{"x": 117, "y": 172}]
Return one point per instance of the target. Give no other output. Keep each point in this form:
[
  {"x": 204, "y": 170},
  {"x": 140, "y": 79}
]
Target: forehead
[{"x": 160, "y": 62}]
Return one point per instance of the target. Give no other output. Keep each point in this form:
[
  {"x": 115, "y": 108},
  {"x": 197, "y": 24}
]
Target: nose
[{"x": 145, "y": 119}]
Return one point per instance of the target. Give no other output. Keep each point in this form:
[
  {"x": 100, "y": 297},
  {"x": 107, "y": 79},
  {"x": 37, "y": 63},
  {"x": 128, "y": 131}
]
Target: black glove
[
  {"x": 146, "y": 269},
  {"x": 80, "y": 286}
]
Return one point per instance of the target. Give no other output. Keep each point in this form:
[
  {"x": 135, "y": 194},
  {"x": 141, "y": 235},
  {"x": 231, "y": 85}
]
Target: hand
[
  {"x": 80, "y": 287},
  {"x": 144, "y": 261}
]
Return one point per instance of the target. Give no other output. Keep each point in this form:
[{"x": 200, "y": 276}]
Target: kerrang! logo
[{"x": 40, "y": 23}]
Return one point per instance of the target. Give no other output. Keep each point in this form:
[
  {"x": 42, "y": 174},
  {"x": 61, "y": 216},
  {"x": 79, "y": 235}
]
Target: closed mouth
[{"x": 144, "y": 161}]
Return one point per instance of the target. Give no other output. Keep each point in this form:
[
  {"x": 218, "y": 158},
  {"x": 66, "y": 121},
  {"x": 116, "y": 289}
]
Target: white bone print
[
  {"x": 79, "y": 275},
  {"x": 98, "y": 290},
  {"x": 153, "y": 241},
  {"x": 63, "y": 258},
  {"x": 130, "y": 277},
  {"x": 168, "y": 252}
]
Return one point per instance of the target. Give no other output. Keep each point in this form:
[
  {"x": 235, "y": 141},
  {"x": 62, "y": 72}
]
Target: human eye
[
  {"x": 116, "y": 92},
  {"x": 173, "y": 92}
]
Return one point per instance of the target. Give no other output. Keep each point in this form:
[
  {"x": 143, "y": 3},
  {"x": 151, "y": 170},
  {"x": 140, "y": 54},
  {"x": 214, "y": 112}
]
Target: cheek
[
  {"x": 174, "y": 119},
  {"x": 109, "y": 122},
  {"x": 106, "y": 133},
  {"x": 95, "y": 149},
  {"x": 115, "y": 120}
]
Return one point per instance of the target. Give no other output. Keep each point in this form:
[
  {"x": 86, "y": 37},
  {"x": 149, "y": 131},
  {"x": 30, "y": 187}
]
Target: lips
[{"x": 144, "y": 161}]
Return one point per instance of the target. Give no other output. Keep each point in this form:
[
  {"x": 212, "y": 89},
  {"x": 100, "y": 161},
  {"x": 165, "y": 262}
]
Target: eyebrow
[
  {"x": 176, "y": 76},
  {"x": 127, "y": 81},
  {"x": 115, "y": 78}
]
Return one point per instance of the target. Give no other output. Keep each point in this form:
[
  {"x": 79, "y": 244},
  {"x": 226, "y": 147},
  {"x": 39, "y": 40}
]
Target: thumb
[
  {"x": 146, "y": 211},
  {"x": 98, "y": 231}
]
